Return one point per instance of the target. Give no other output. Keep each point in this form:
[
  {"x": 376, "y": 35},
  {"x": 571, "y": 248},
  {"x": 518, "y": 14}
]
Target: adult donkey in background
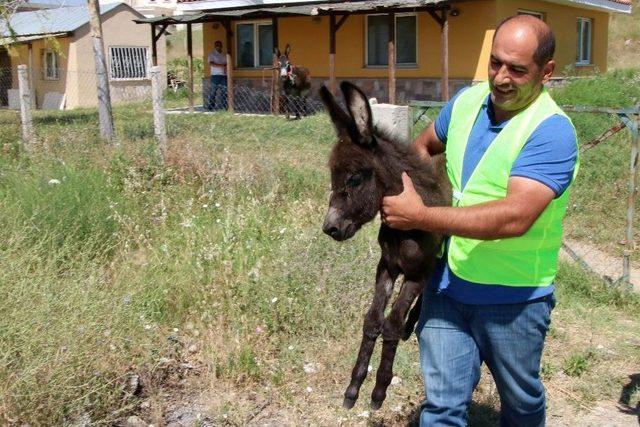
[
  {"x": 295, "y": 82},
  {"x": 366, "y": 165}
]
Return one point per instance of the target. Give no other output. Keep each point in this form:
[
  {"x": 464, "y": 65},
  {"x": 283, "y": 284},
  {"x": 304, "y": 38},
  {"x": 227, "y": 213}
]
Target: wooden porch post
[
  {"x": 443, "y": 21},
  {"x": 392, "y": 58},
  {"x": 275, "y": 76},
  {"x": 154, "y": 49},
  {"x": 444, "y": 47},
  {"x": 229, "y": 39},
  {"x": 332, "y": 54},
  {"x": 190, "y": 62},
  {"x": 333, "y": 30}
]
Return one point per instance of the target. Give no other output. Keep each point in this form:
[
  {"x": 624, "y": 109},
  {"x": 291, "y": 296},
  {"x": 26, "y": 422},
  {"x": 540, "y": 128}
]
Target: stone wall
[{"x": 407, "y": 89}]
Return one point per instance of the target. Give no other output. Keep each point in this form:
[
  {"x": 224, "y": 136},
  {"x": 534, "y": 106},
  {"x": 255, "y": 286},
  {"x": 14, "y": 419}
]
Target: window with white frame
[
  {"x": 583, "y": 49},
  {"x": 128, "y": 62},
  {"x": 538, "y": 15},
  {"x": 377, "y": 39},
  {"x": 51, "y": 62},
  {"x": 254, "y": 44}
]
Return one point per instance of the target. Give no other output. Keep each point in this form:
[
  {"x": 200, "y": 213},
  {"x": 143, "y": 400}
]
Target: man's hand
[{"x": 404, "y": 211}]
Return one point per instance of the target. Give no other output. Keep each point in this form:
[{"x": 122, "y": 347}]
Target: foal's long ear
[
  {"x": 287, "y": 50},
  {"x": 276, "y": 51},
  {"x": 360, "y": 111},
  {"x": 340, "y": 119}
]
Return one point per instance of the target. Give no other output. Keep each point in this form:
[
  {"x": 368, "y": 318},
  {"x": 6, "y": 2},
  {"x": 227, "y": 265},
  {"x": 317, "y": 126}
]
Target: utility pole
[{"x": 104, "y": 96}]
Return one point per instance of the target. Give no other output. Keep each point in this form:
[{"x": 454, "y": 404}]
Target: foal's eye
[{"x": 354, "y": 180}]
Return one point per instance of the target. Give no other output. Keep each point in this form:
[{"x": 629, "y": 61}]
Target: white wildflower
[
  {"x": 54, "y": 181},
  {"x": 274, "y": 300},
  {"x": 309, "y": 389},
  {"x": 309, "y": 368}
]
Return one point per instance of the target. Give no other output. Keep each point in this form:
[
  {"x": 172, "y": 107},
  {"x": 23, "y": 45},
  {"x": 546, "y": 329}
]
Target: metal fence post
[
  {"x": 159, "y": 128},
  {"x": 25, "y": 108},
  {"x": 633, "y": 190}
]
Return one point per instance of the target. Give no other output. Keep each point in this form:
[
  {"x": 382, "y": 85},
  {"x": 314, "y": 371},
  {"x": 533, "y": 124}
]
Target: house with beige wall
[
  {"x": 57, "y": 46},
  {"x": 423, "y": 56}
]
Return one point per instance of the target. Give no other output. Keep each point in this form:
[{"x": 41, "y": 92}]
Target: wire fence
[{"x": 63, "y": 89}]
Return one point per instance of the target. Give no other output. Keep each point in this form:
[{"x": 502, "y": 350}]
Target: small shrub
[
  {"x": 135, "y": 129},
  {"x": 578, "y": 364},
  {"x": 548, "y": 370}
]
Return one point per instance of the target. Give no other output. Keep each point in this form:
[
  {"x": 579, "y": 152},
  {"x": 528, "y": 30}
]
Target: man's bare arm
[
  {"x": 508, "y": 217},
  {"x": 428, "y": 144}
]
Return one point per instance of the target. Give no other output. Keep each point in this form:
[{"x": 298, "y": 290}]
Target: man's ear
[
  {"x": 341, "y": 120},
  {"x": 547, "y": 71},
  {"x": 358, "y": 107}
]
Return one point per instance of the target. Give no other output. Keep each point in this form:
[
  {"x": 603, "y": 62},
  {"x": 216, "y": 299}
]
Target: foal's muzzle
[{"x": 337, "y": 227}]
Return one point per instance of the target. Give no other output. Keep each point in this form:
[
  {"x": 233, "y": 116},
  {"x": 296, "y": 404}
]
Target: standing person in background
[{"x": 218, "y": 62}]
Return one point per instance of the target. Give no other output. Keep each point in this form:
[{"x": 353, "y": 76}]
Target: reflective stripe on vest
[{"x": 527, "y": 260}]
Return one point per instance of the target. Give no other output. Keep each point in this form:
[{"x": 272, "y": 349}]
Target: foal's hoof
[
  {"x": 348, "y": 403},
  {"x": 375, "y": 404}
]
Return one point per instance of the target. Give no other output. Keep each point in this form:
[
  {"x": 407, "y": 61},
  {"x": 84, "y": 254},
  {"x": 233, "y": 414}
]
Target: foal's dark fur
[
  {"x": 366, "y": 165},
  {"x": 295, "y": 82}
]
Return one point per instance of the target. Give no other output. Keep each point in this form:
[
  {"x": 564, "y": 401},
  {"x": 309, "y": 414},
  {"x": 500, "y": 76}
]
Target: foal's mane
[{"x": 400, "y": 156}]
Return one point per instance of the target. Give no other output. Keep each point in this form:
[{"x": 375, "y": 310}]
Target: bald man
[{"x": 511, "y": 158}]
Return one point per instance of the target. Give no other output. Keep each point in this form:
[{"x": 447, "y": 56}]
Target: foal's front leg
[{"x": 385, "y": 278}]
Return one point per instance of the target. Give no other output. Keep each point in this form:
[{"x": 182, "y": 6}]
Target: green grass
[
  {"x": 125, "y": 263},
  {"x": 601, "y": 189},
  {"x": 624, "y": 40}
]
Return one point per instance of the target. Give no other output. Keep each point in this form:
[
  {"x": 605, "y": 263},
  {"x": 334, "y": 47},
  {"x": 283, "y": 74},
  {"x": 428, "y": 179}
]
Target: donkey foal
[{"x": 366, "y": 165}]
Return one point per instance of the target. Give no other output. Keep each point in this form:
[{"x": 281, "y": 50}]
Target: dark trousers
[{"x": 217, "y": 99}]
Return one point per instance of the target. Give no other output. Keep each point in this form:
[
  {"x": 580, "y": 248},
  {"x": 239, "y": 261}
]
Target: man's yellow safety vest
[{"x": 528, "y": 260}]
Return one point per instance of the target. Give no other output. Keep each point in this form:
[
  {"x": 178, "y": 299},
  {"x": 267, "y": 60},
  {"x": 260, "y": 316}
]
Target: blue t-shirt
[{"x": 549, "y": 156}]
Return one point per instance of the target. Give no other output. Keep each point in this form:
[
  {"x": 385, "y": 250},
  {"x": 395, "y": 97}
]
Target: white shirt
[{"x": 218, "y": 58}]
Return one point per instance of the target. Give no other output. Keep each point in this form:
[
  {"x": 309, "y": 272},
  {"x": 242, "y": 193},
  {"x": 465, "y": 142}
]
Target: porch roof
[{"x": 310, "y": 9}]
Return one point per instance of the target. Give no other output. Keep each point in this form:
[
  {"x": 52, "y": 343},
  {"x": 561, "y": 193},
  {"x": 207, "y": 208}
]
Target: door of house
[{"x": 6, "y": 78}]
